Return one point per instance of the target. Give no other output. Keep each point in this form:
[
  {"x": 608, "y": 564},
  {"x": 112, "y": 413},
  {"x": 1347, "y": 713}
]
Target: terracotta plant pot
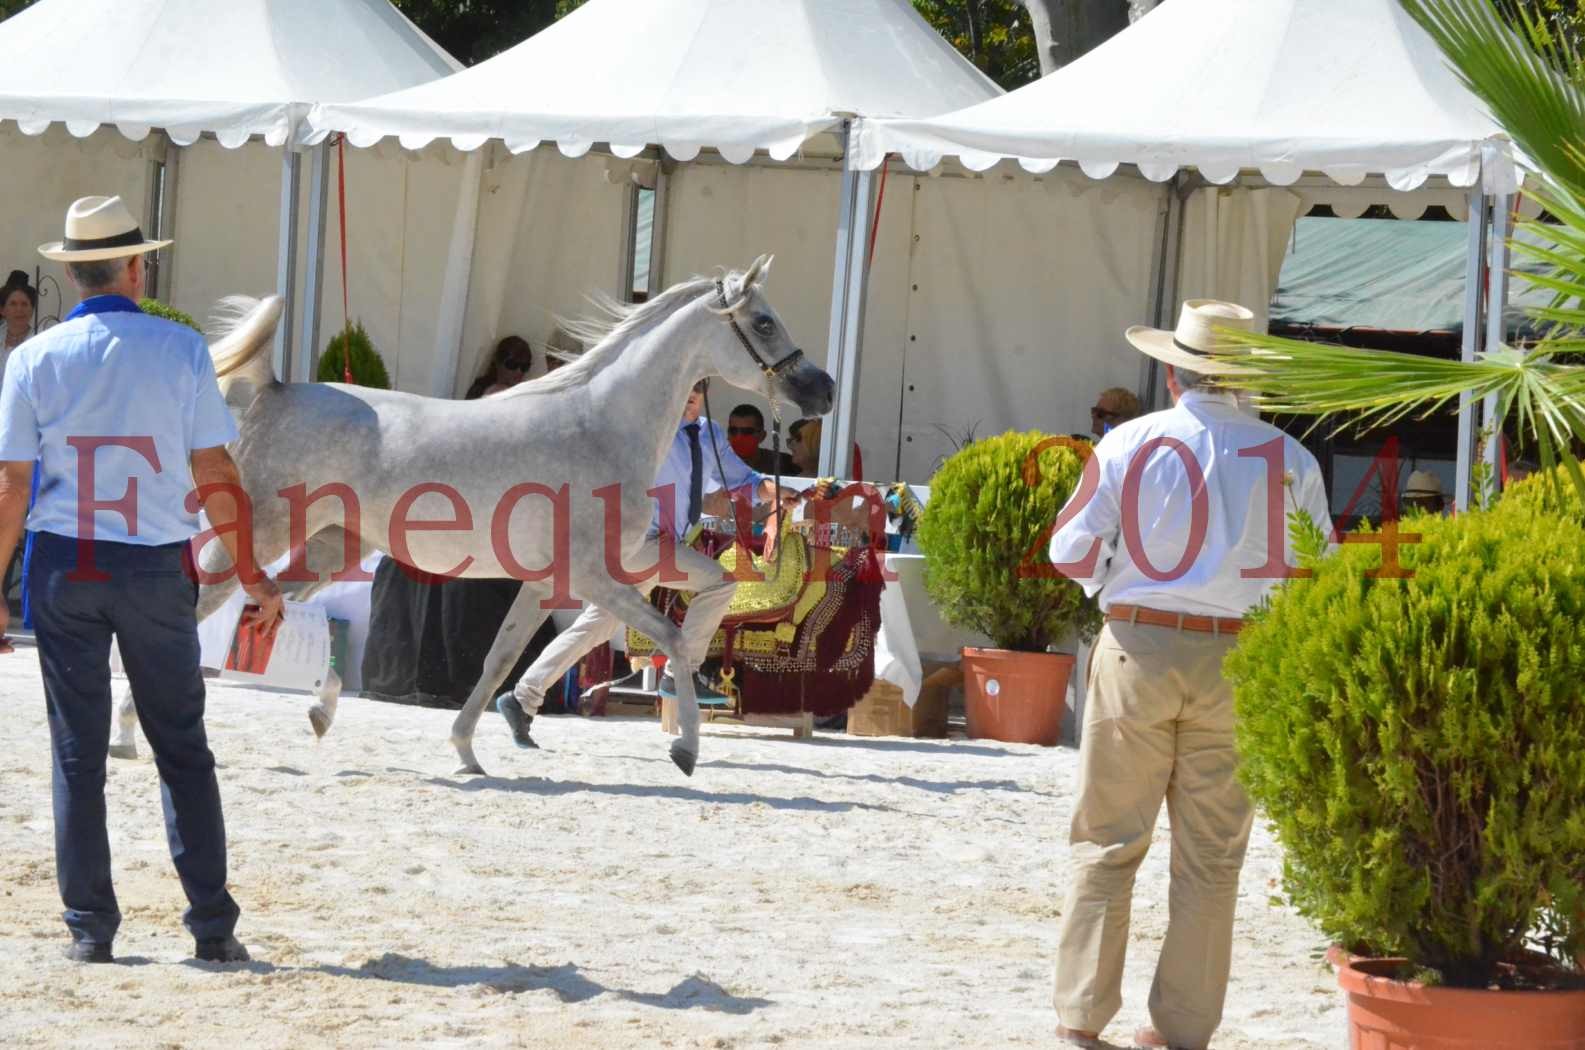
[
  {"x": 1384, "y": 1014},
  {"x": 1015, "y": 697}
]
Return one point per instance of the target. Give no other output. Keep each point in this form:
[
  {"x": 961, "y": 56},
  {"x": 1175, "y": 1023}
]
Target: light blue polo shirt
[{"x": 110, "y": 370}]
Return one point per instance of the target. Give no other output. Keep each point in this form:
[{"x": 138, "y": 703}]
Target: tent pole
[
  {"x": 286, "y": 259},
  {"x": 305, "y": 365},
  {"x": 1496, "y": 322},
  {"x": 847, "y": 313},
  {"x": 1474, "y": 274},
  {"x": 1164, "y": 284},
  {"x": 459, "y": 275}
]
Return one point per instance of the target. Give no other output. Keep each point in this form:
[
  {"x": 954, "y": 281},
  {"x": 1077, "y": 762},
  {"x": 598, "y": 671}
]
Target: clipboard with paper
[{"x": 298, "y": 657}]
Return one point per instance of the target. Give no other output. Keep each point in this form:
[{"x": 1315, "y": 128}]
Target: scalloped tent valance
[
  {"x": 735, "y": 76},
  {"x": 235, "y": 69},
  {"x": 1348, "y": 88}
]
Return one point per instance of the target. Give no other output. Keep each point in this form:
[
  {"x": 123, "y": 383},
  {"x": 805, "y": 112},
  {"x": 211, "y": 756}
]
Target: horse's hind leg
[{"x": 522, "y": 620}]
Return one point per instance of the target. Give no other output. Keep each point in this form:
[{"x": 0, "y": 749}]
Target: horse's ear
[{"x": 759, "y": 271}]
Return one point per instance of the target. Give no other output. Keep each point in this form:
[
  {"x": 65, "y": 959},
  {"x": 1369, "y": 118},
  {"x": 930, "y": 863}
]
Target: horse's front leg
[
  {"x": 522, "y": 620},
  {"x": 687, "y": 646}
]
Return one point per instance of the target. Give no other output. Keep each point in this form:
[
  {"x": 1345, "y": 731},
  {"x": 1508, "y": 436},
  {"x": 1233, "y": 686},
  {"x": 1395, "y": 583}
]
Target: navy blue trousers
[{"x": 148, "y": 605}]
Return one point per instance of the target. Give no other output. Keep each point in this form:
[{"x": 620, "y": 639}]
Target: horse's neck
[{"x": 645, "y": 388}]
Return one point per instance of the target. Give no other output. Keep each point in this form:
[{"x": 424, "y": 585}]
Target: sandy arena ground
[{"x": 841, "y": 893}]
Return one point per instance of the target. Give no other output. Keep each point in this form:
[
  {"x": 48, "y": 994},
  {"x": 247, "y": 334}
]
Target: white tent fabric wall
[
  {"x": 1234, "y": 241},
  {"x": 549, "y": 232},
  {"x": 400, "y": 207},
  {"x": 1020, "y": 289},
  {"x": 45, "y": 173}
]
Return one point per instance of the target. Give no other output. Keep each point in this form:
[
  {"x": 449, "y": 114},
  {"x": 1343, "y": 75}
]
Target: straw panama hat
[
  {"x": 99, "y": 228},
  {"x": 1423, "y": 483},
  {"x": 1195, "y": 335}
]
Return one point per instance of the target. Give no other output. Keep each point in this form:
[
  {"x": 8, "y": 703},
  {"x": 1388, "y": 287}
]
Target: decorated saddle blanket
[{"x": 800, "y": 639}]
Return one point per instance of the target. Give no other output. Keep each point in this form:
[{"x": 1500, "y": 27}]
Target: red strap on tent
[
  {"x": 341, "y": 213},
  {"x": 875, "y": 223},
  {"x": 858, "y": 463}
]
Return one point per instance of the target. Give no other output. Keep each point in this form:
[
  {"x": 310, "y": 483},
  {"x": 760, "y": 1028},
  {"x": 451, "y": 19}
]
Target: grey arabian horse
[{"x": 547, "y": 482}]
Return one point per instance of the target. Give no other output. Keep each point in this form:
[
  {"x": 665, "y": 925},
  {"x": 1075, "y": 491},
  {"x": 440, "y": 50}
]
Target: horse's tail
[{"x": 243, "y": 329}]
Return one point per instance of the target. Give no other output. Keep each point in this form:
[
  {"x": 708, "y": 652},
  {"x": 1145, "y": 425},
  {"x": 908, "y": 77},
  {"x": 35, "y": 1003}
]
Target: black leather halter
[{"x": 771, "y": 370}]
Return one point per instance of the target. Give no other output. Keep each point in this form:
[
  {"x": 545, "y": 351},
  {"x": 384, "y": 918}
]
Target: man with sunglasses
[
  {"x": 1115, "y": 406},
  {"x": 745, "y": 428}
]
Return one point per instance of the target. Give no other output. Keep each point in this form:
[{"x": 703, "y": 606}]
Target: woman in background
[
  {"x": 509, "y": 366},
  {"x": 18, "y": 300}
]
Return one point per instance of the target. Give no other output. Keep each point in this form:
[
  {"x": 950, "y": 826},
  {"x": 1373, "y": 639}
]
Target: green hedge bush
[
  {"x": 1419, "y": 744},
  {"x": 984, "y": 523},
  {"x": 170, "y": 313},
  {"x": 368, "y": 369}
]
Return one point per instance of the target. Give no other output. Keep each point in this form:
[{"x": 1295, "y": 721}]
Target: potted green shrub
[
  {"x": 983, "y": 534},
  {"x": 158, "y": 309},
  {"x": 1418, "y": 746},
  {"x": 368, "y": 369}
]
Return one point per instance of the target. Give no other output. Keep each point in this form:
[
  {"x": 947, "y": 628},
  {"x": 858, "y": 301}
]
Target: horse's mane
[{"x": 611, "y": 327}]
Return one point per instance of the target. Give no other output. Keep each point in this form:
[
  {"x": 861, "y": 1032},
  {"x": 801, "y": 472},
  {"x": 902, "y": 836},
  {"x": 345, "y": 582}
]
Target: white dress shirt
[
  {"x": 1240, "y": 512},
  {"x": 676, "y": 470}
]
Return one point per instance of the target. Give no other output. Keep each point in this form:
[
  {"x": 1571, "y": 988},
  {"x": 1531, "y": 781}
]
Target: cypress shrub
[
  {"x": 368, "y": 369},
  {"x": 984, "y": 534},
  {"x": 158, "y": 309},
  {"x": 1419, "y": 744}
]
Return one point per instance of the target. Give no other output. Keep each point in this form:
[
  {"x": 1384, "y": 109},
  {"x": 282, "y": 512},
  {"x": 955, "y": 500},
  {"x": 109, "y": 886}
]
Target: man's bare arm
[
  {"x": 217, "y": 477},
  {"x": 16, "y": 480}
]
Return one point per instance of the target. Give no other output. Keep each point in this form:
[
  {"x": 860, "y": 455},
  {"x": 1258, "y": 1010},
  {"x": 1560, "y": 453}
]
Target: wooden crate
[{"x": 882, "y": 711}]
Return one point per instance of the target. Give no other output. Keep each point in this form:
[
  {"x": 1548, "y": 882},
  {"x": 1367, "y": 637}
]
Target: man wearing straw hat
[
  {"x": 1175, "y": 542},
  {"x": 123, "y": 414}
]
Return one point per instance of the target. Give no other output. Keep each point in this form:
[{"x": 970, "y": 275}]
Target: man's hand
[{"x": 271, "y": 606}]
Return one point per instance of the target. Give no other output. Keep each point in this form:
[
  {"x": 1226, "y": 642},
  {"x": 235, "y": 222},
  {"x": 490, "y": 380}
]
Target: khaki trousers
[{"x": 1158, "y": 724}]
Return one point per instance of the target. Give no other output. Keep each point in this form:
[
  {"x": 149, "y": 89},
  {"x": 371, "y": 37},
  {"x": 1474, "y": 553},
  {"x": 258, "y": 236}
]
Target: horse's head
[{"x": 758, "y": 353}]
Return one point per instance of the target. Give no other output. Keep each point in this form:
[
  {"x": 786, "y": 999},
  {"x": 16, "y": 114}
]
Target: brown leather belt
[{"x": 1217, "y": 625}]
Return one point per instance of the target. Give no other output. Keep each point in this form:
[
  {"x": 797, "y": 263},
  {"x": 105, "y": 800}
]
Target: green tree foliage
[
  {"x": 1419, "y": 744},
  {"x": 368, "y": 369},
  {"x": 170, "y": 313},
  {"x": 993, "y": 34},
  {"x": 984, "y": 538}
]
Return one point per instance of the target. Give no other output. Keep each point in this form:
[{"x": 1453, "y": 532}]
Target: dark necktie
[{"x": 696, "y": 478}]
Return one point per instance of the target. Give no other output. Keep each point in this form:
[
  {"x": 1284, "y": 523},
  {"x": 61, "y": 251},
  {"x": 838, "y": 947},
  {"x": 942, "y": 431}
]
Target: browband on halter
[{"x": 770, "y": 370}]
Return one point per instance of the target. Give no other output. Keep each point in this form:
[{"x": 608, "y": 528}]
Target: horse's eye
[{"x": 764, "y": 325}]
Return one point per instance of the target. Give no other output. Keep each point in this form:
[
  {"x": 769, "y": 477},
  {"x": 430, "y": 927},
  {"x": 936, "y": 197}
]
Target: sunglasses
[
  {"x": 743, "y": 431},
  {"x": 1101, "y": 413},
  {"x": 517, "y": 364}
]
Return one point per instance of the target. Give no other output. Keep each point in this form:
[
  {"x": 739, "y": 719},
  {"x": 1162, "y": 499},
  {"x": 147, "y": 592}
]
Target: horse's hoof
[
  {"x": 516, "y": 720},
  {"x": 471, "y": 769},
  {"x": 123, "y": 751},
  {"x": 320, "y": 721},
  {"x": 683, "y": 757}
]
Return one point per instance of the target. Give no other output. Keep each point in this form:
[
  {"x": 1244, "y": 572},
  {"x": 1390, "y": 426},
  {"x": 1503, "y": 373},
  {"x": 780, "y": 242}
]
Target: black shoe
[
  {"x": 220, "y": 950},
  {"x": 89, "y": 952},
  {"x": 517, "y": 720},
  {"x": 707, "y": 693}
]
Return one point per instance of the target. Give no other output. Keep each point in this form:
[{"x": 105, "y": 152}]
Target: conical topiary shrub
[
  {"x": 155, "y": 308},
  {"x": 368, "y": 369}
]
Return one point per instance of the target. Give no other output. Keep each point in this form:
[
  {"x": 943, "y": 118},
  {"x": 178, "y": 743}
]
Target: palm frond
[{"x": 1520, "y": 75}]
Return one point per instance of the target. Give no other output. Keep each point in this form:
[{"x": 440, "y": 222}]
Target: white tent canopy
[
  {"x": 1348, "y": 88},
  {"x": 731, "y": 75},
  {"x": 237, "y": 68}
]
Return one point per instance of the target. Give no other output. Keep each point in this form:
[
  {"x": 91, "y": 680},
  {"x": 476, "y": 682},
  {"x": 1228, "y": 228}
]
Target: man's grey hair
[
  {"x": 101, "y": 273},
  {"x": 1188, "y": 380}
]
